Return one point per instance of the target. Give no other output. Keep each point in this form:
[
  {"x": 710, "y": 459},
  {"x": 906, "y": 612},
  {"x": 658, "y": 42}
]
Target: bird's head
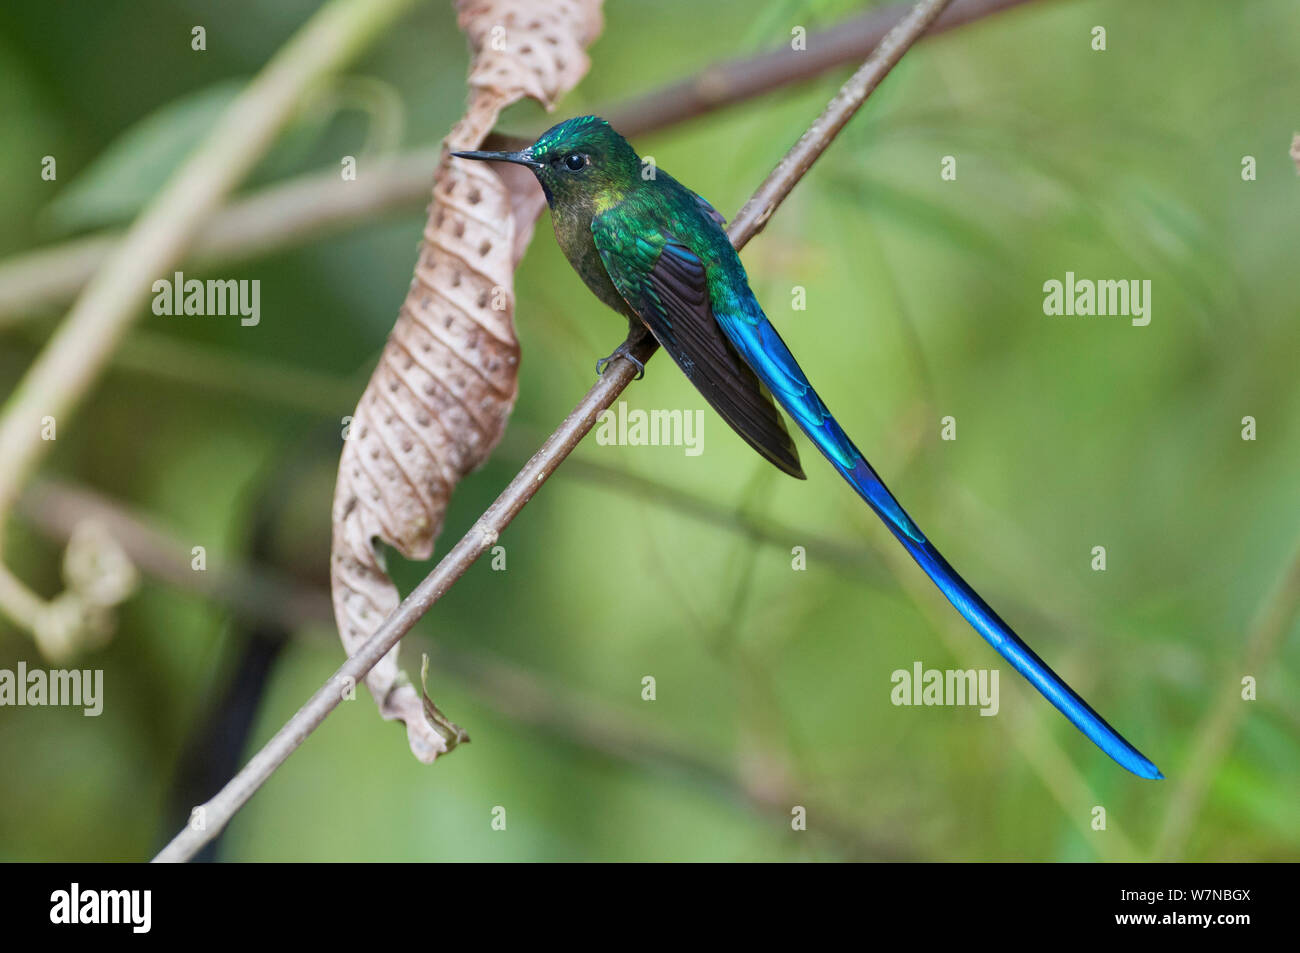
[{"x": 581, "y": 160}]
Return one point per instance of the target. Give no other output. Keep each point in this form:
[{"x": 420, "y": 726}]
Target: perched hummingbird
[{"x": 653, "y": 250}]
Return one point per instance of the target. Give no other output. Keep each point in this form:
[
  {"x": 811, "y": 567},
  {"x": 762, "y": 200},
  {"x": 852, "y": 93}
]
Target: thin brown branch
[
  {"x": 211, "y": 817},
  {"x": 318, "y": 204}
]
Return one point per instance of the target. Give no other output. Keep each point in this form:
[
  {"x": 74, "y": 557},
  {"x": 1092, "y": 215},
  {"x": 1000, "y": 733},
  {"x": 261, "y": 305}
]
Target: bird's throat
[{"x": 572, "y": 222}]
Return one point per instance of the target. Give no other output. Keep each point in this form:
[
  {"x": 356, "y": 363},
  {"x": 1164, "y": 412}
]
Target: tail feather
[{"x": 762, "y": 348}]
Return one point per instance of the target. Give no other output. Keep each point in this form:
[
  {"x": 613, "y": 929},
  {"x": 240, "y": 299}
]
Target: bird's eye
[{"x": 575, "y": 161}]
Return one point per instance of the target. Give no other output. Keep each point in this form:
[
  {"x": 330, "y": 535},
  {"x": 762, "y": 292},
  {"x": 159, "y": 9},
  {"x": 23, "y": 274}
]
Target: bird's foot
[{"x": 623, "y": 350}]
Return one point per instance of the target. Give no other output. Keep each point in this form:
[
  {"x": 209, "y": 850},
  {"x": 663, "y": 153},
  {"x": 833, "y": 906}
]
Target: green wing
[{"x": 666, "y": 284}]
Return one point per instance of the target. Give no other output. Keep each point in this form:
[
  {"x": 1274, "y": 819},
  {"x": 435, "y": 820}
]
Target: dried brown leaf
[{"x": 440, "y": 397}]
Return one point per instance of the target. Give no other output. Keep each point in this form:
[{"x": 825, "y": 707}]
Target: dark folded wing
[{"x": 665, "y": 283}]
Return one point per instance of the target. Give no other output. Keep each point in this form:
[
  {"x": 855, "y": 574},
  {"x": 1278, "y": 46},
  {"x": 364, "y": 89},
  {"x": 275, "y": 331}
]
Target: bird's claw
[{"x": 621, "y": 351}]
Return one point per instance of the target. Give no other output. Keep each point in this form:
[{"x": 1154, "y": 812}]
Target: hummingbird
[{"x": 656, "y": 252}]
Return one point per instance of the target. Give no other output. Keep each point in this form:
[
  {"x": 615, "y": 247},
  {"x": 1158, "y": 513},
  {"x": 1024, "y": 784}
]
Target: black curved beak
[{"x": 518, "y": 158}]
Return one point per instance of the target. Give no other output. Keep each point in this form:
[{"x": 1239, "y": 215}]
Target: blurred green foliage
[{"x": 924, "y": 300}]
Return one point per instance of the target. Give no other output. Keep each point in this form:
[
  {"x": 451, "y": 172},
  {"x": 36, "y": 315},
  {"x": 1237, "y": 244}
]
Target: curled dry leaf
[{"x": 439, "y": 400}]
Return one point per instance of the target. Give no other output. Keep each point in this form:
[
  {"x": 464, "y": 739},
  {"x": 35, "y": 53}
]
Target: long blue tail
[{"x": 762, "y": 348}]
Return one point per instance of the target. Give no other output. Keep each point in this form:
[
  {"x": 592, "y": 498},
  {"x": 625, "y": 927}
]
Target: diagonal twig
[{"x": 211, "y": 817}]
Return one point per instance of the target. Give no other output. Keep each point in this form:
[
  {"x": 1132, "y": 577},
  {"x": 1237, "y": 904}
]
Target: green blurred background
[{"x": 924, "y": 300}]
